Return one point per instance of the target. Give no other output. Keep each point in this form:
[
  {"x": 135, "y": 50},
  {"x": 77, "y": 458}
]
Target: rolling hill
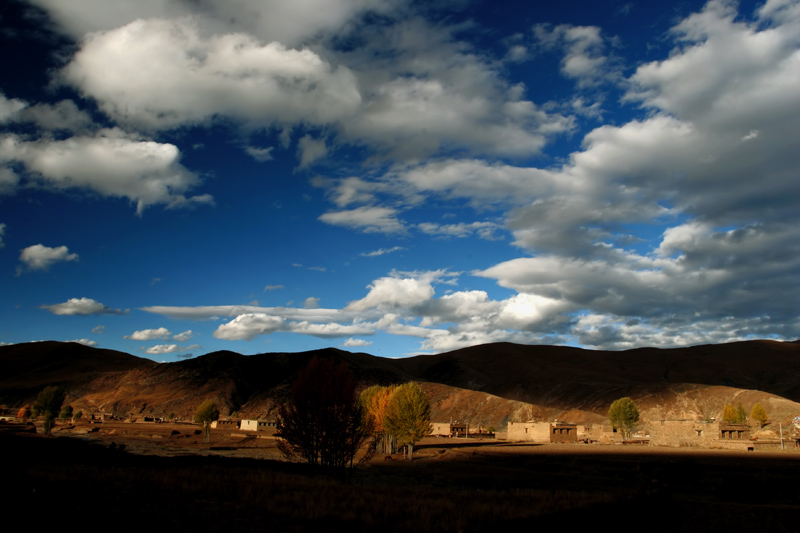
[{"x": 489, "y": 384}]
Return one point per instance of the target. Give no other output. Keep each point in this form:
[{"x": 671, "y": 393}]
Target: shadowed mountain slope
[{"x": 491, "y": 383}]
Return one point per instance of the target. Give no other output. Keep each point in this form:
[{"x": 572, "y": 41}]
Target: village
[{"x": 706, "y": 434}]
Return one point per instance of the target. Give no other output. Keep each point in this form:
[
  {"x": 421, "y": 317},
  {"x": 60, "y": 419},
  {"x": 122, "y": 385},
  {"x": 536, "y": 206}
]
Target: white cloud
[
  {"x": 382, "y": 251},
  {"x": 98, "y": 330},
  {"x": 272, "y": 287},
  {"x": 183, "y": 337},
  {"x": 85, "y": 342},
  {"x": 111, "y": 163},
  {"x": 40, "y": 257},
  {"x": 437, "y": 94},
  {"x": 270, "y": 20},
  {"x": 161, "y": 74},
  {"x": 584, "y": 50},
  {"x": 351, "y": 342},
  {"x": 484, "y": 230},
  {"x": 9, "y": 108},
  {"x": 63, "y": 115},
  {"x": 311, "y": 303},
  {"x": 82, "y": 306},
  {"x": 367, "y": 219},
  {"x": 260, "y": 154},
  {"x": 310, "y": 150},
  {"x": 160, "y": 349},
  {"x": 332, "y": 330},
  {"x": 398, "y": 290},
  {"x": 248, "y": 326},
  {"x": 149, "y": 334}
]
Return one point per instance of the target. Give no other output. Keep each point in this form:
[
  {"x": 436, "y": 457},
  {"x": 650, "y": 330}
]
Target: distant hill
[{"x": 489, "y": 384}]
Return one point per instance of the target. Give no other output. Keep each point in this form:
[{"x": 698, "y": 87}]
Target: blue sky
[{"x": 398, "y": 177}]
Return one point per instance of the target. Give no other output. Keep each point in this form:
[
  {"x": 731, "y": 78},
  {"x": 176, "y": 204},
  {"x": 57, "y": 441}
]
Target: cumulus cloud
[
  {"x": 270, "y": 20},
  {"x": 40, "y": 257},
  {"x": 85, "y": 342},
  {"x": 351, "y": 342},
  {"x": 109, "y": 162},
  {"x": 82, "y": 306},
  {"x": 183, "y": 337},
  {"x": 149, "y": 334},
  {"x": 311, "y": 303},
  {"x": 437, "y": 93},
  {"x": 63, "y": 115},
  {"x": 584, "y": 50},
  {"x": 247, "y": 326},
  {"x": 161, "y": 74},
  {"x": 9, "y": 108},
  {"x": 399, "y": 290}
]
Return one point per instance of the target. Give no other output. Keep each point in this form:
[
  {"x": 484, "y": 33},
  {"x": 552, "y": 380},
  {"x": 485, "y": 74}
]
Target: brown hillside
[
  {"x": 488, "y": 385},
  {"x": 566, "y": 378}
]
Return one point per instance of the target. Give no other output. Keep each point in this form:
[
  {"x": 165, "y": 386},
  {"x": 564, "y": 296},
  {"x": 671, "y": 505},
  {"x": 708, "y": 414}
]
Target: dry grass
[{"x": 474, "y": 488}]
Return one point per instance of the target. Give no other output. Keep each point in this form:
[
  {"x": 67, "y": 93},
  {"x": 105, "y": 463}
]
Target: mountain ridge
[{"x": 505, "y": 381}]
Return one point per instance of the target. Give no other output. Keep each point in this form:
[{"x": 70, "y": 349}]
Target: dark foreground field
[{"x": 450, "y": 487}]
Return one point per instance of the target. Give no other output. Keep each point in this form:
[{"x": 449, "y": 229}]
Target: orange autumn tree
[{"x": 376, "y": 400}]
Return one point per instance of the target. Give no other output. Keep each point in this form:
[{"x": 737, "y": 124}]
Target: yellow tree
[
  {"x": 376, "y": 401},
  {"x": 759, "y": 414},
  {"x": 408, "y": 416},
  {"x": 624, "y": 416}
]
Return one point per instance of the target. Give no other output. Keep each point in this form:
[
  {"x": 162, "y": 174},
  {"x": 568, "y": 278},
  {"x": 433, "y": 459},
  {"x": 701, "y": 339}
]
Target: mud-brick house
[
  {"x": 259, "y": 426},
  {"x": 734, "y": 431},
  {"x": 225, "y": 424},
  {"x": 542, "y": 432},
  {"x": 563, "y": 432},
  {"x": 440, "y": 429},
  {"x": 699, "y": 433}
]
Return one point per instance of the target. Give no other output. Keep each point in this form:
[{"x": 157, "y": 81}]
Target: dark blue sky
[{"x": 398, "y": 177}]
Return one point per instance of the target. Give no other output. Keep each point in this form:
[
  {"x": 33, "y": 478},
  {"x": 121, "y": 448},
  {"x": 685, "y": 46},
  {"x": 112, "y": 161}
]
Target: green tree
[
  {"x": 408, "y": 416},
  {"x": 78, "y": 415},
  {"x": 624, "y": 416},
  {"x": 759, "y": 414},
  {"x": 323, "y": 422},
  {"x": 205, "y": 414},
  {"x": 48, "y": 404},
  {"x": 66, "y": 412}
]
